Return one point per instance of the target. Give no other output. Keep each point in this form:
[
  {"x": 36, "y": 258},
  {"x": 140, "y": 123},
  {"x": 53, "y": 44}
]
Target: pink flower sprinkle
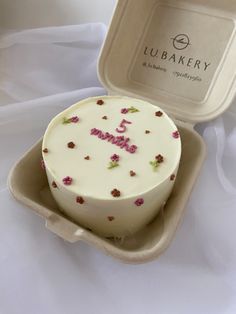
[
  {"x": 139, "y": 201},
  {"x": 79, "y": 200},
  {"x": 133, "y": 149},
  {"x": 67, "y": 180},
  {"x": 110, "y": 218},
  {"x": 42, "y": 164},
  {"x": 176, "y": 134},
  {"x": 74, "y": 119},
  {"x": 124, "y": 110},
  {"x": 115, "y": 157}
]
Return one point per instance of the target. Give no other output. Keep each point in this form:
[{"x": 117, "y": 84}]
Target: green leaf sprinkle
[
  {"x": 154, "y": 165},
  {"x": 66, "y": 121},
  {"x": 113, "y": 164},
  {"x": 133, "y": 109}
]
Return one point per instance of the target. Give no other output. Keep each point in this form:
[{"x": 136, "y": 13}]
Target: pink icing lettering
[
  {"x": 100, "y": 135},
  {"x": 120, "y": 141},
  {"x": 94, "y": 131},
  {"x": 110, "y": 138},
  {"x": 103, "y": 136},
  {"x": 115, "y": 140},
  {"x": 106, "y": 135},
  {"x": 97, "y": 132},
  {"x": 125, "y": 144},
  {"x": 122, "y": 128}
]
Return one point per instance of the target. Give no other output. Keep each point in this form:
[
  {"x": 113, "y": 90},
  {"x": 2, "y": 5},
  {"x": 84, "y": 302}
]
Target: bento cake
[{"x": 111, "y": 162}]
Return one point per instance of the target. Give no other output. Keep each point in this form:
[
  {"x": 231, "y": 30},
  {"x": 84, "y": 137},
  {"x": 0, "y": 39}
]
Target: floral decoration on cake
[
  {"x": 67, "y": 180},
  {"x": 176, "y": 134},
  {"x": 54, "y": 185},
  {"x": 110, "y": 218},
  {"x": 114, "y": 161},
  {"x": 100, "y": 102},
  {"x": 115, "y": 193},
  {"x": 156, "y": 162},
  {"x": 158, "y": 113},
  {"x": 71, "y": 145},
  {"x": 74, "y": 119},
  {"x": 79, "y": 200},
  {"x": 129, "y": 110},
  {"x": 42, "y": 164},
  {"x": 139, "y": 202}
]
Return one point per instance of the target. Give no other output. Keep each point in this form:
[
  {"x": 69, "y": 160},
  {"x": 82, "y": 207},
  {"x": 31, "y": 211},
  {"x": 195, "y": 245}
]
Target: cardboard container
[{"x": 178, "y": 55}]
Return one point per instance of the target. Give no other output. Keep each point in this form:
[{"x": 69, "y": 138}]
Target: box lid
[{"x": 180, "y": 55}]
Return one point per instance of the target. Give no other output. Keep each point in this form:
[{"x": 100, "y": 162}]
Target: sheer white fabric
[{"x": 43, "y": 71}]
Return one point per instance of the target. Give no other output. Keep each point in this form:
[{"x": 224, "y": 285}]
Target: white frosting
[{"x": 93, "y": 181}]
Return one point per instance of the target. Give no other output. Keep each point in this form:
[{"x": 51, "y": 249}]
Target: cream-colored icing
[{"x": 92, "y": 179}]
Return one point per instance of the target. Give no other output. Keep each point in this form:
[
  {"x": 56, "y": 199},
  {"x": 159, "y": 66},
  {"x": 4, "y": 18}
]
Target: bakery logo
[{"x": 181, "y": 41}]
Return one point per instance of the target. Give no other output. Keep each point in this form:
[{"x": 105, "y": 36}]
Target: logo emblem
[{"x": 181, "y": 41}]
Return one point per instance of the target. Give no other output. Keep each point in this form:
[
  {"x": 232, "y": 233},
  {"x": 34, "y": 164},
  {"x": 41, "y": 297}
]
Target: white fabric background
[
  {"x": 43, "y": 71},
  {"x": 15, "y": 14}
]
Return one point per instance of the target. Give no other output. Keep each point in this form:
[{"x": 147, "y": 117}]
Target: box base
[{"x": 28, "y": 184}]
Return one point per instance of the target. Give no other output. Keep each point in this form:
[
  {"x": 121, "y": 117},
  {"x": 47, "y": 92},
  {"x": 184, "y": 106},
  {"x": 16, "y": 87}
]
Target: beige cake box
[{"x": 179, "y": 55}]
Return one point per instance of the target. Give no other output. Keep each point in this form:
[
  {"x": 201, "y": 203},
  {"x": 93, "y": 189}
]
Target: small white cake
[{"x": 111, "y": 162}]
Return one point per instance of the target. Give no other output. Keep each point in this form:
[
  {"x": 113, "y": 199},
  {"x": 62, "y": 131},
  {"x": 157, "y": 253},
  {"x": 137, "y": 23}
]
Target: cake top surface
[{"x": 111, "y": 146}]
